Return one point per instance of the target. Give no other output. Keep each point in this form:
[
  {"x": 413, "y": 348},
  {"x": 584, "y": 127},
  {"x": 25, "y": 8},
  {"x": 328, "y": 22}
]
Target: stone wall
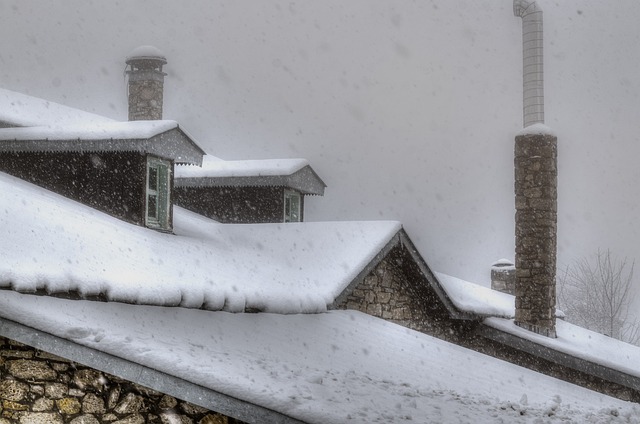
[
  {"x": 39, "y": 388},
  {"x": 536, "y": 221}
]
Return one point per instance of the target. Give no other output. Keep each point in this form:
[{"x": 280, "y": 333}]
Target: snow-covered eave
[
  {"x": 142, "y": 375},
  {"x": 172, "y": 144},
  {"x": 305, "y": 180},
  {"x": 495, "y": 329}
]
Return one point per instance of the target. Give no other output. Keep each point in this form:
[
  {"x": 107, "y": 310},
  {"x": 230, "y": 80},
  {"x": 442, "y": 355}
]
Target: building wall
[
  {"x": 39, "y": 388},
  {"x": 111, "y": 182},
  {"x": 234, "y": 204},
  {"x": 397, "y": 291}
]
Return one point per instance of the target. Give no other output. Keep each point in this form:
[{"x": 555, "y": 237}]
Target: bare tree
[{"x": 598, "y": 296}]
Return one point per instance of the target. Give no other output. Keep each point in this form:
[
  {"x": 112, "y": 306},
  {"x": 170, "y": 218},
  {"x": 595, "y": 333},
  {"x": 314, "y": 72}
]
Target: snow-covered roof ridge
[
  {"x": 126, "y": 130},
  {"x": 215, "y": 172},
  {"x": 51, "y": 244},
  {"x": 164, "y": 138},
  {"x": 216, "y": 167},
  {"x": 18, "y": 109}
]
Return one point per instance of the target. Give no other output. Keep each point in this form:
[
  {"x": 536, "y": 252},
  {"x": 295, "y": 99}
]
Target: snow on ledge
[
  {"x": 213, "y": 167},
  {"x": 580, "y": 343},
  {"x": 536, "y": 129},
  {"x": 479, "y": 300}
]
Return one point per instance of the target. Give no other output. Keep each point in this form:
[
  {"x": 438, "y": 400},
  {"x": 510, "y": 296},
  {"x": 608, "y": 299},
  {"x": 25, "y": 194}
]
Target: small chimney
[
  {"x": 536, "y": 179},
  {"x": 146, "y": 83},
  {"x": 503, "y": 276}
]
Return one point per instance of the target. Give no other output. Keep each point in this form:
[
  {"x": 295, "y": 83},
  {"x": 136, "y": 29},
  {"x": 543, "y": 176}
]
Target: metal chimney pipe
[{"x": 532, "y": 47}]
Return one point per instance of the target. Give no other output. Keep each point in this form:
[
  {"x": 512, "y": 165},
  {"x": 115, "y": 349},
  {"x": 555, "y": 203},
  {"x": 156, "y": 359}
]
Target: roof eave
[{"x": 555, "y": 356}]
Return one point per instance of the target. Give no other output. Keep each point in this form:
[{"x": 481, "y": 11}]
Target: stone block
[
  {"x": 56, "y": 390},
  {"x": 214, "y": 419},
  {"x": 131, "y": 404},
  {"x": 88, "y": 378},
  {"x": 13, "y": 390},
  {"x": 41, "y": 418},
  {"x": 69, "y": 405},
  {"x": 93, "y": 404},
  {"x": 131, "y": 419},
  {"x": 85, "y": 419},
  {"x": 31, "y": 370},
  {"x": 42, "y": 405}
]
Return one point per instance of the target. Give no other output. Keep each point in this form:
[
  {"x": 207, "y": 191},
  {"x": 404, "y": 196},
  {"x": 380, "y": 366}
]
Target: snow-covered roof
[
  {"x": 17, "y": 109},
  {"x": 575, "y": 341},
  {"x": 162, "y": 138},
  {"x": 338, "y": 367},
  {"x": 215, "y": 172},
  {"x": 578, "y": 342},
  {"x": 53, "y": 245}
]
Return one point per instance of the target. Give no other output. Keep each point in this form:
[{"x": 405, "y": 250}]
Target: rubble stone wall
[
  {"x": 39, "y": 388},
  {"x": 536, "y": 226}
]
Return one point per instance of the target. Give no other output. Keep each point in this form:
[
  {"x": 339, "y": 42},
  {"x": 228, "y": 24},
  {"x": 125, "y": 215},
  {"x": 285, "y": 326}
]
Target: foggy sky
[{"x": 407, "y": 109}]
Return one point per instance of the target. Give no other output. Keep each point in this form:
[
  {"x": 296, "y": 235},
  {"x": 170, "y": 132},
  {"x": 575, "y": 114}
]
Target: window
[
  {"x": 158, "y": 193},
  {"x": 292, "y": 206}
]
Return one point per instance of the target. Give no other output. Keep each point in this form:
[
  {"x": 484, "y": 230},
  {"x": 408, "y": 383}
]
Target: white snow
[
  {"x": 336, "y": 367},
  {"x": 214, "y": 167},
  {"x": 581, "y": 343},
  {"x": 90, "y": 131},
  {"x": 536, "y": 129},
  {"x": 146, "y": 52},
  {"x": 470, "y": 297},
  {"x": 55, "y": 244},
  {"x": 23, "y": 110}
]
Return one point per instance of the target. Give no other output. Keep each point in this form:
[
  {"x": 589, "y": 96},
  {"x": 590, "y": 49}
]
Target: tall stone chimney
[
  {"x": 146, "y": 83},
  {"x": 535, "y": 190}
]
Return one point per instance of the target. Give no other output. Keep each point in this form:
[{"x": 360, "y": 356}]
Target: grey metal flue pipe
[{"x": 532, "y": 48}]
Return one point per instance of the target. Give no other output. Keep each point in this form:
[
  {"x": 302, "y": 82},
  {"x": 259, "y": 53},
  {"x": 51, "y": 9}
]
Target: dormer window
[
  {"x": 158, "y": 193},
  {"x": 292, "y": 206}
]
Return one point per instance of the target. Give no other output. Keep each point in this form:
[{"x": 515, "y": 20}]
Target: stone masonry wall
[
  {"x": 536, "y": 221},
  {"x": 39, "y": 388},
  {"x": 145, "y": 100}
]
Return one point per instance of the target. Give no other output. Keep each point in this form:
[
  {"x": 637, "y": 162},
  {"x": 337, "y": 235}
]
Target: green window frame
[
  {"x": 292, "y": 206},
  {"x": 158, "y": 193}
]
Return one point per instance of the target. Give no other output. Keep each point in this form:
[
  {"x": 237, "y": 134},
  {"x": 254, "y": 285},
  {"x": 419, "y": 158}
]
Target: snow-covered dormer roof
[
  {"x": 215, "y": 172},
  {"x": 162, "y": 138},
  {"x": 21, "y": 110}
]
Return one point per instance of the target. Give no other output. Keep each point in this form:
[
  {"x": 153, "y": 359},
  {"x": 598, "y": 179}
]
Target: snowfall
[{"x": 337, "y": 366}]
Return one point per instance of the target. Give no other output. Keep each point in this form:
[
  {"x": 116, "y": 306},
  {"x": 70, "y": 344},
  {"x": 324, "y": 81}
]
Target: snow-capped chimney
[
  {"x": 146, "y": 83},
  {"x": 503, "y": 276},
  {"x": 536, "y": 179}
]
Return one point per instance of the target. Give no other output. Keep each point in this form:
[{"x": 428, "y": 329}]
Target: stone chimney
[
  {"x": 536, "y": 178},
  {"x": 536, "y": 226},
  {"x": 503, "y": 276},
  {"x": 146, "y": 83}
]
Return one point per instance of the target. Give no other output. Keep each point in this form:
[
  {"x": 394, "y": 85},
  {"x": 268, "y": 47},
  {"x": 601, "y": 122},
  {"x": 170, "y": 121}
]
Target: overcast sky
[{"x": 406, "y": 109}]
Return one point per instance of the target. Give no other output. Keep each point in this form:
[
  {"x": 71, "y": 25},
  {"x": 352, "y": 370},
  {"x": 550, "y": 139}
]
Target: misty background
[{"x": 406, "y": 109}]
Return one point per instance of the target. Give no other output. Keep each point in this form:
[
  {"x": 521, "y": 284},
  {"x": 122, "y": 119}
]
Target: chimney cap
[
  {"x": 502, "y": 263},
  {"x": 146, "y": 53}
]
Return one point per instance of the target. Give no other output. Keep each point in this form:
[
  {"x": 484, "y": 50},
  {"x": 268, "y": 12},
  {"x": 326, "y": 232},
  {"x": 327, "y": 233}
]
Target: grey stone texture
[
  {"x": 145, "y": 100},
  {"x": 48, "y": 389},
  {"x": 503, "y": 277},
  {"x": 536, "y": 175}
]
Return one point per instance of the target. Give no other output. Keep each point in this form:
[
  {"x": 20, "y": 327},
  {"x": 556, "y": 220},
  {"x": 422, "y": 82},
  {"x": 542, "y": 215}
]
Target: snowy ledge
[
  {"x": 536, "y": 129},
  {"x": 580, "y": 343}
]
